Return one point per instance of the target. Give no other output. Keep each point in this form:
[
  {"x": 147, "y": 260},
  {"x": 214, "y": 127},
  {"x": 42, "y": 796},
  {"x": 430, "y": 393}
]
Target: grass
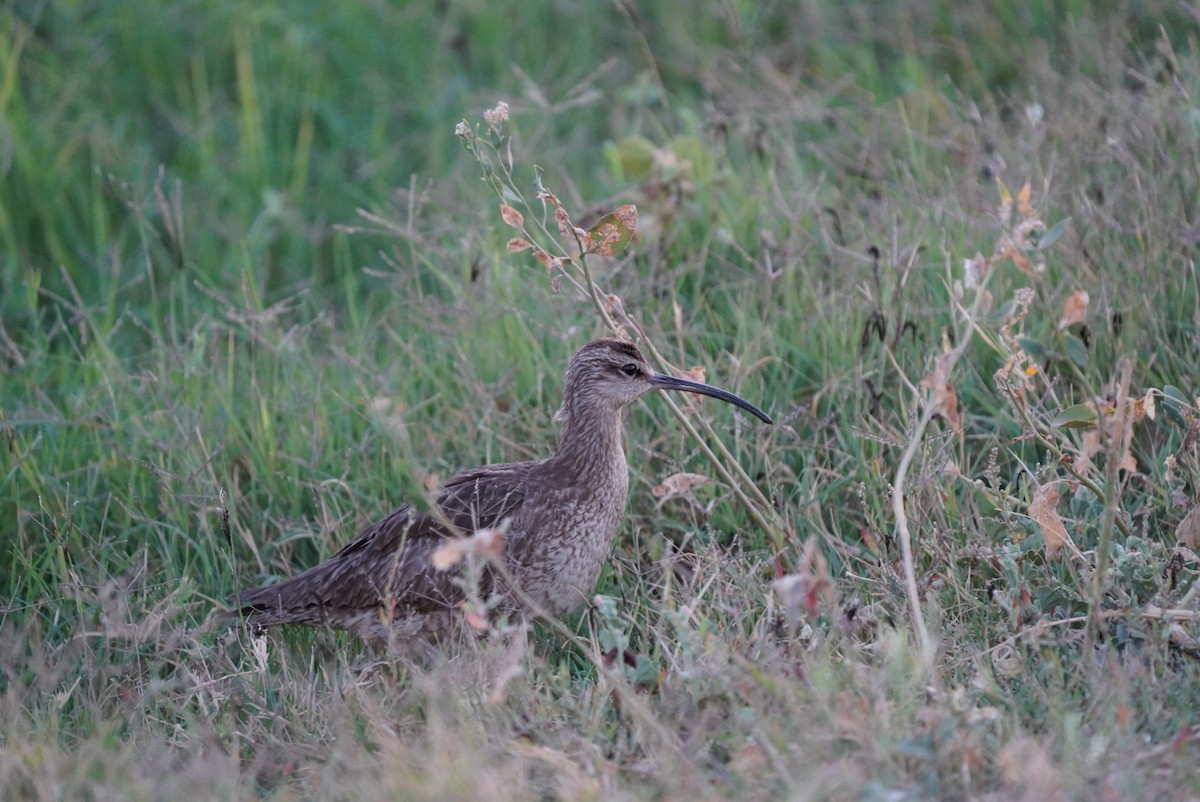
[{"x": 216, "y": 369}]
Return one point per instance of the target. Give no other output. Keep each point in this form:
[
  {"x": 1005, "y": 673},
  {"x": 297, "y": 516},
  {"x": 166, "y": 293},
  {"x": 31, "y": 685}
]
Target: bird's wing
[
  {"x": 484, "y": 497},
  {"x": 389, "y": 565}
]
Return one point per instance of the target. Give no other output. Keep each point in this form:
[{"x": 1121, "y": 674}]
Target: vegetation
[{"x": 253, "y": 294}]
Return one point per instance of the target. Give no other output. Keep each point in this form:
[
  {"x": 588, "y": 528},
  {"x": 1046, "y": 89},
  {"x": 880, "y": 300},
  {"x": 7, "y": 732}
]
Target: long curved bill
[{"x": 661, "y": 381}]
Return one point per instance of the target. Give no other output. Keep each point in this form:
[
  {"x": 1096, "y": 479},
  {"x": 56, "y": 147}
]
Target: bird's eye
[{"x": 630, "y": 370}]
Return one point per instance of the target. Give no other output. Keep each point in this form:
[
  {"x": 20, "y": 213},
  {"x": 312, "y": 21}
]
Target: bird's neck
[{"x": 590, "y": 443}]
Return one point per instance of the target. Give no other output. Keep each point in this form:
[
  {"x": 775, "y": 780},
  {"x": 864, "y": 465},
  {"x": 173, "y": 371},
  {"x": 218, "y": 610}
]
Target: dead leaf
[
  {"x": 1074, "y": 310},
  {"x": 613, "y": 231},
  {"x": 1024, "y": 206},
  {"x": 628, "y": 215},
  {"x": 1023, "y": 264},
  {"x": 448, "y": 555},
  {"x": 487, "y": 543},
  {"x": 564, "y": 222},
  {"x": 943, "y": 399},
  {"x": 947, "y": 403},
  {"x": 613, "y": 303},
  {"x": 678, "y": 485},
  {"x": 516, "y": 245},
  {"x": 809, "y": 585},
  {"x": 1088, "y": 448},
  {"x": 1044, "y": 511},
  {"x": 1144, "y": 407},
  {"x": 512, "y": 217},
  {"x": 1188, "y": 532},
  {"x": 697, "y": 373},
  {"x": 476, "y": 621},
  {"x": 1007, "y": 662},
  {"x": 552, "y": 263}
]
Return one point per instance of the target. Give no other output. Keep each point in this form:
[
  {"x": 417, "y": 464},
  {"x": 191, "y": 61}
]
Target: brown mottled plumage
[{"x": 561, "y": 514}]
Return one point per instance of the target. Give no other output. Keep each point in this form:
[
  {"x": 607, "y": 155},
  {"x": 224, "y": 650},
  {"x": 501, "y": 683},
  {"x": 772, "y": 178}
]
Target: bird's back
[{"x": 383, "y": 583}]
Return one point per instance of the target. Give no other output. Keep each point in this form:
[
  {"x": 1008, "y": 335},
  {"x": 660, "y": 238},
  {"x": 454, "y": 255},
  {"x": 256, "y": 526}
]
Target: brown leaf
[
  {"x": 943, "y": 399},
  {"x": 697, "y": 373},
  {"x": 487, "y": 543},
  {"x": 512, "y": 217},
  {"x": 1089, "y": 447},
  {"x": 517, "y": 244},
  {"x": 1007, "y": 662},
  {"x": 475, "y": 621},
  {"x": 564, "y": 222},
  {"x": 1044, "y": 511},
  {"x": 1145, "y": 407},
  {"x": 449, "y": 554},
  {"x": 1023, "y": 264},
  {"x": 614, "y": 304},
  {"x": 948, "y": 403},
  {"x": 1188, "y": 531},
  {"x": 613, "y": 231},
  {"x": 628, "y": 216},
  {"x": 601, "y": 238},
  {"x": 1024, "y": 206},
  {"x": 677, "y": 485},
  {"x": 1074, "y": 310},
  {"x": 809, "y": 586}
]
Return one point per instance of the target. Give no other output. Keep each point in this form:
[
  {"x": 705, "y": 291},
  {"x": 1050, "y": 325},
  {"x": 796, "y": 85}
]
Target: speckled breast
[{"x": 558, "y": 551}]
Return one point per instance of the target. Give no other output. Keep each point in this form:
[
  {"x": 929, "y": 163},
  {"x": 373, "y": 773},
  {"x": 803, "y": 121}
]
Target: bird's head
[{"x": 614, "y": 373}]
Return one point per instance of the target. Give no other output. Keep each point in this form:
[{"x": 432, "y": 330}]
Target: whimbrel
[{"x": 559, "y": 515}]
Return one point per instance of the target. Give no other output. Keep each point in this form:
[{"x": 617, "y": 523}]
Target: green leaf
[
  {"x": 1174, "y": 394},
  {"x": 1002, "y": 313},
  {"x": 631, "y": 158},
  {"x": 1033, "y": 347},
  {"x": 1078, "y": 416},
  {"x": 1076, "y": 350},
  {"x": 1173, "y": 401},
  {"x": 646, "y": 672},
  {"x": 1036, "y": 542},
  {"x": 1053, "y": 233}
]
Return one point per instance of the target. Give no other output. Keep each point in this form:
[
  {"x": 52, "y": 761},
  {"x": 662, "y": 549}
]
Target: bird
[{"x": 552, "y": 523}]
